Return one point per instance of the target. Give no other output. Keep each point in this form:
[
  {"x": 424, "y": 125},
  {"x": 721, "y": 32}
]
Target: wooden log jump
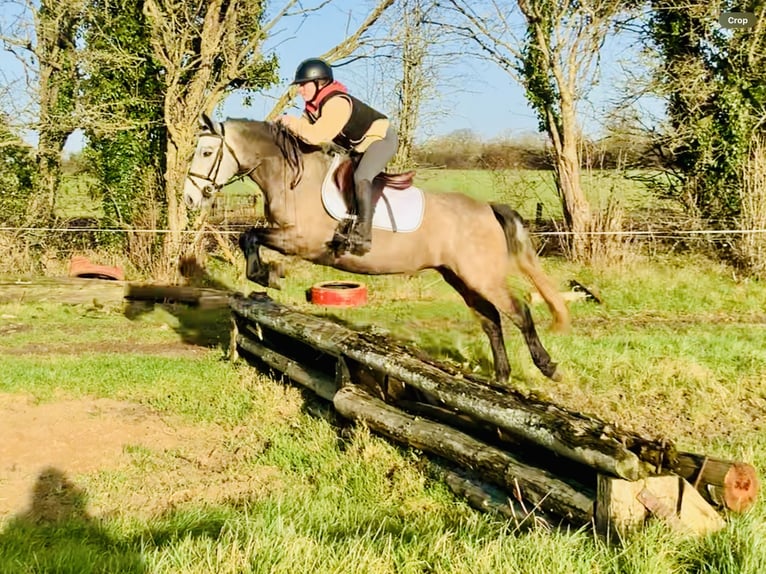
[
  {"x": 593, "y": 472},
  {"x": 567, "y": 434}
]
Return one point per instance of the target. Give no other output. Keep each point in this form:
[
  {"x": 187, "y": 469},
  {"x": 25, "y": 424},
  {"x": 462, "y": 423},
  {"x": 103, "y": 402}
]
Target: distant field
[
  {"x": 523, "y": 189},
  {"x": 76, "y": 199}
]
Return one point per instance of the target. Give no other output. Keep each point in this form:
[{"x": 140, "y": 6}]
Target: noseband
[{"x": 210, "y": 178}]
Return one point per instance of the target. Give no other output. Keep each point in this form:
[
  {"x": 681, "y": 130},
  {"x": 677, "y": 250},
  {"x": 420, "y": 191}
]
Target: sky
[{"x": 473, "y": 94}]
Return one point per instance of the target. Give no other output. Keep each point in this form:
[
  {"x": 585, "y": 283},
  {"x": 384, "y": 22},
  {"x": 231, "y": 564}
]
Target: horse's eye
[{"x": 207, "y": 153}]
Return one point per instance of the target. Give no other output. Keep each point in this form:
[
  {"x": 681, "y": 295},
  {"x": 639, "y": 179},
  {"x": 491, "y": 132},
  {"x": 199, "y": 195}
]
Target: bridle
[{"x": 210, "y": 178}]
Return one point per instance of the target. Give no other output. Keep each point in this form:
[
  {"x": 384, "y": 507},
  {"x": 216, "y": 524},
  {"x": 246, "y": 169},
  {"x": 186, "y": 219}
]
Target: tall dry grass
[{"x": 750, "y": 247}]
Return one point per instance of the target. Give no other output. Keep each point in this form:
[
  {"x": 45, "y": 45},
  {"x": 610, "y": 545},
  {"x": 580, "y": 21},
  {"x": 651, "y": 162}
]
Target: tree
[
  {"x": 18, "y": 176},
  {"x": 556, "y": 62},
  {"x": 204, "y": 50},
  {"x": 343, "y": 50},
  {"x": 415, "y": 39},
  {"x": 48, "y": 53},
  {"x": 714, "y": 82}
]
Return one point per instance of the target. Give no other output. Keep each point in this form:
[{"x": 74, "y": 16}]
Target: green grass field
[
  {"x": 271, "y": 482},
  {"x": 522, "y": 189},
  {"x": 263, "y": 477}
]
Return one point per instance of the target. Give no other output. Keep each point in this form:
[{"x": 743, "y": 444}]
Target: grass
[
  {"x": 522, "y": 189},
  {"x": 276, "y": 484},
  {"x": 268, "y": 479}
]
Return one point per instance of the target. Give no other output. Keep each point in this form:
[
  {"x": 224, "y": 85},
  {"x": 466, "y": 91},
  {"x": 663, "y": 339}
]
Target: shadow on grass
[
  {"x": 198, "y": 324},
  {"x": 56, "y": 534}
]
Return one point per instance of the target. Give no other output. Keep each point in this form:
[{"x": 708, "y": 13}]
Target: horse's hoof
[
  {"x": 359, "y": 246},
  {"x": 338, "y": 245},
  {"x": 360, "y": 250},
  {"x": 557, "y": 375},
  {"x": 273, "y": 280},
  {"x": 561, "y": 327}
]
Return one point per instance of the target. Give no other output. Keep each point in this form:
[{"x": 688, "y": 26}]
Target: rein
[
  {"x": 292, "y": 148},
  {"x": 210, "y": 178}
]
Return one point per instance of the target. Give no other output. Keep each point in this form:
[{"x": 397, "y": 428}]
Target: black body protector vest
[{"x": 362, "y": 117}]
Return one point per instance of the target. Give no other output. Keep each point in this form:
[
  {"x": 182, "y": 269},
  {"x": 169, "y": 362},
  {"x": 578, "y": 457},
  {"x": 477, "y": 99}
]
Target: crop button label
[{"x": 737, "y": 19}]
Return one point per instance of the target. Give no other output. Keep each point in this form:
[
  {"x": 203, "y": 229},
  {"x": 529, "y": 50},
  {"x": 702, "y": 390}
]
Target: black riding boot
[{"x": 360, "y": 238}]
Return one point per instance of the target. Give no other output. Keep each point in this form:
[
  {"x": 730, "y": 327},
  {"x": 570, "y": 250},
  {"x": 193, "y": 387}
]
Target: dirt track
[{"x": 70, "y": 437}]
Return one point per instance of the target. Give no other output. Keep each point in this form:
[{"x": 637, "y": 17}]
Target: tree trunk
[
  {"x": 566, "y": 163},
  {"x": 56, "y": 31},
  {"x": 723, "y": 483},
  {"x": 175, "y": 173},
  {"x": 411, "y": 88}
]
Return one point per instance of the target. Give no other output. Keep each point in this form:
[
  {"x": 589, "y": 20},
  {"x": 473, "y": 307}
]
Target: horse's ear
[{"x": 206, "y": 124}]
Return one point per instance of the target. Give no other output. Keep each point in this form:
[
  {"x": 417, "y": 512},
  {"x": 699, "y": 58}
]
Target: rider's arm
[{"x": 335, "y": 114}]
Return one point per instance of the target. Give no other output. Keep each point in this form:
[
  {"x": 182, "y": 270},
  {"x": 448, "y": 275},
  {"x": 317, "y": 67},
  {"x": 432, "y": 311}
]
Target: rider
[{"x": 331, "y": 114}]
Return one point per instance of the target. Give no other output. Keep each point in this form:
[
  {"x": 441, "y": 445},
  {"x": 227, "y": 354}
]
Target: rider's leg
[{"x": 373, "y": 161}]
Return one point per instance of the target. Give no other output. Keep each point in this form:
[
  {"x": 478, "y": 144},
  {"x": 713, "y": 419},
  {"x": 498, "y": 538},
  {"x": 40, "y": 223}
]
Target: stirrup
[
  {"x": 357, "y": 244},
  {"x": 340, "y": 242}
]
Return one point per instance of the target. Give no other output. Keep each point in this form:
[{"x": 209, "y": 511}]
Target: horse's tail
[
  {"x": 520, "y": 249},
  {"x": 516, "y": 236}
]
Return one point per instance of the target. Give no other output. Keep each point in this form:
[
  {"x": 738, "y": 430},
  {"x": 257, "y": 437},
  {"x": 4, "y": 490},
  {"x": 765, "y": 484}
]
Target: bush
[{"x": 17, "y": 180}]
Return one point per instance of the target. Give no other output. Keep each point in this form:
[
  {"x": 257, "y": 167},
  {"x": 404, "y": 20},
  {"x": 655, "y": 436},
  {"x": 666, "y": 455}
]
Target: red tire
[
  {"x": 82, "y": 267},
  {"x": 339, "y": 294}
]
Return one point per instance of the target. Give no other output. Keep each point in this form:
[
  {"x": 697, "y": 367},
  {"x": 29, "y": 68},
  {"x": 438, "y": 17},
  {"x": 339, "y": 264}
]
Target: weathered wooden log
[
  {"x": 538, "y": 487},
  {"x": 487, "y": 498},
  {"x": 201, "y": 297},
  {"x": 314, "y": 380},
  {"x": 567, "y": 434},
  {"x": 80, "y": 291},
  {"x": 70, "y": 291},
  {"x": 723, "y": 483}
]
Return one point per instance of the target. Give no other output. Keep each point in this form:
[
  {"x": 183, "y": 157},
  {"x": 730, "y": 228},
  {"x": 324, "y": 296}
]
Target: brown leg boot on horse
[{"x": 360, "y": 238}]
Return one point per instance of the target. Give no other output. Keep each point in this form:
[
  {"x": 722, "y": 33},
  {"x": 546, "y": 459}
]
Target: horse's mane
[{"x": 292, "y": 147}]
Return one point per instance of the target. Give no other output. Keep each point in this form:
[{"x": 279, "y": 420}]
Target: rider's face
[{"x": 307, "y": 91}]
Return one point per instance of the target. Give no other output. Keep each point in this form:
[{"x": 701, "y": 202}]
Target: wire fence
[{"x": 681, "y": 234}]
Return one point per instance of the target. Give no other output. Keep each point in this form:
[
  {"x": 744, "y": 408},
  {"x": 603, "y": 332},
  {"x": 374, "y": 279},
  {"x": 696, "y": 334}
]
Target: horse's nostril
[{"x": 188, "y": 201}]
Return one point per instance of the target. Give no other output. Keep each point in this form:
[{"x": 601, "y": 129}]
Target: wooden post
[{"x": 623, "y": 506}]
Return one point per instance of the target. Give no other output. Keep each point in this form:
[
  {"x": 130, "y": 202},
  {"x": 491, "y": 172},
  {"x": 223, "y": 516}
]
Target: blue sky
[
  {"x": 477, "y": 95},
  {"x": 473, "y": 94}
]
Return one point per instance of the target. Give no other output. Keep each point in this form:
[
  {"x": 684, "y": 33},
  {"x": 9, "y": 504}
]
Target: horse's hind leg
[
  {"x": 529, "y": 264},
  {"x": 495, "y": 292},
  {"x": 489, "y": 317},
  {"x": 522, "y": 318}
]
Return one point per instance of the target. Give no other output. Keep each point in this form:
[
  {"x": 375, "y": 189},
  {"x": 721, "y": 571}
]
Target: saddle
[
  {"x": 344, "y": 181},
  {"x": 400, "y": 205}
]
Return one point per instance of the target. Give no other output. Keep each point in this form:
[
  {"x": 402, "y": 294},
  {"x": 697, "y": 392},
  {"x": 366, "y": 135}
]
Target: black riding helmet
[{"x": 311, "y": 70}]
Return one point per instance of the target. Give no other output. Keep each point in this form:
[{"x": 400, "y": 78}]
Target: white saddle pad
[{"x": 398, "y": 210}]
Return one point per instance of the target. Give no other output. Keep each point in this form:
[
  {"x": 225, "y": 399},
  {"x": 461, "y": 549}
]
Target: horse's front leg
[{"x": 265, "y": 274}]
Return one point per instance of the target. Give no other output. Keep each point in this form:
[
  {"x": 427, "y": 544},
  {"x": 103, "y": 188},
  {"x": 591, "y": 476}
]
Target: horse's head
[{"x": 214, "y": 163}]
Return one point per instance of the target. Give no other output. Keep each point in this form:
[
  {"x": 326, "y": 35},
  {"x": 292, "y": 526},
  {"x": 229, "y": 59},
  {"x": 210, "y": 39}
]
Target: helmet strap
[{"x": 316, "y": 91}]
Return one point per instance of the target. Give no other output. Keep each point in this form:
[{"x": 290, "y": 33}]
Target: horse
[{"x": 474, "y": 245}]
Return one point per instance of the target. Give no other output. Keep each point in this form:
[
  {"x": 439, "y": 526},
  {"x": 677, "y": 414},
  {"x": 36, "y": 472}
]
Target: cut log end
[{"x": 740, "y": 487}]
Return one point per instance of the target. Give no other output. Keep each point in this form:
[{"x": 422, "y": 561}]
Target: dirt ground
[
  {"x": 54, "y": 457},
  {"x": 68, "y": 437}
]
